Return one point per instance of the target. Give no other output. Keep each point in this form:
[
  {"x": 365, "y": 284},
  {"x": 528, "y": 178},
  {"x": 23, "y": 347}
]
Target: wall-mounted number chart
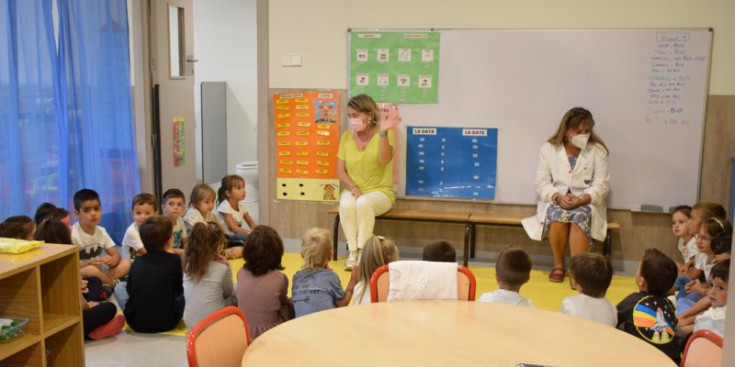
[{"x": 451, "y": 162}]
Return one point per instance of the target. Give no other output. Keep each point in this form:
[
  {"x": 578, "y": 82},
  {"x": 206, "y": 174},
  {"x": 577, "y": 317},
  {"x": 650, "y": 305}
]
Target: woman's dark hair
[
  {"x": 263, "y": 251},
  {"x": 53, "y": 230}
]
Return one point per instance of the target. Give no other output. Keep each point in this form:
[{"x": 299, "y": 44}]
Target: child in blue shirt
[{"x": 316, "y": 287}]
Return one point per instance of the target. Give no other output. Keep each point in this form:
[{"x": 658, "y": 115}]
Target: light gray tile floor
[{"x": 136, "y": 349}]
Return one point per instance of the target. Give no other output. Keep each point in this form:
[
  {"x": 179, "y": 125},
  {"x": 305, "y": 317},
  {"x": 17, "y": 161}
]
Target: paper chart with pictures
[
  {"x": 307, "y": 139},
  {"x": 399, "y": 67}
]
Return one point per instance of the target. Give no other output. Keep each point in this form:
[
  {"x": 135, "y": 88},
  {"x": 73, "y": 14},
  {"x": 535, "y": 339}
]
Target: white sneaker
[{"x": 351, "y": 260}]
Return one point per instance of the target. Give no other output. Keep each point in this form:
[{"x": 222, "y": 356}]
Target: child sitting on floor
[
  {"x": 21, "y": 227},
  {"x": 98, "y": 254},
  {"x": 689, "y": 291},
  {"x": 232, "y": 210},
  {"x": 262, "y": 290},
  {"x": 99, "y": 319},
  {"x": 714, "y": 318},
  {"x": 316, "y": 287},
  {"x": 155, "y": 284},
  {"x": 440, "y": 250},
  {"x": 512, "y": 270},
  {"x": 172, "y": 206},
  {"x": 207, "y": 274},
  {"x": 648, "y": 314},
  {"x": 144, "y": 206},
  {"x": 378, "y": 251},
  {"x": 686, "y": 243},
  {"x": 201, "y": 209},
  {"x": 48, "y": 210},
  {"x": 590, "y": 274}
]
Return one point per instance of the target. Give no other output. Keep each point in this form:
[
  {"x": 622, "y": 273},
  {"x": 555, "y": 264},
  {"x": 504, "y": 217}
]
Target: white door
[{"x": 171, "y": 53}]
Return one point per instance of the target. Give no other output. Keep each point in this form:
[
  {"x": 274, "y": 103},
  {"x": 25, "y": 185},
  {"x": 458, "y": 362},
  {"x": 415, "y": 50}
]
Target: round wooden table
[{"x": 444, "y": 333}]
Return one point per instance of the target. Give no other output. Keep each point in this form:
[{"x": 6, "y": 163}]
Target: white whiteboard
[{"x": 523, "y": 81}]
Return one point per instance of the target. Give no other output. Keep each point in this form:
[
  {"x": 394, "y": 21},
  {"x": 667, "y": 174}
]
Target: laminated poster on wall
[
  {"x": 307, "y": 139},
  {"x": 400, "y": 67},
  {"x": 178, "y": 136},
  {"x": 451, "y": 162}
]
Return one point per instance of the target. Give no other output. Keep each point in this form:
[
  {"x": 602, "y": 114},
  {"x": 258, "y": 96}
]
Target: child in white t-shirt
[
  {"x": 714, "y": 318},
  {"x": 231, "y": 209},
  {"x": 590, "y": 274},
  {"x": 512, "y": 270},
  {"x": 144, "y": 206},
  {"x": 200, "y": 211},
  {"x": 686, "y": 243},
  {"x": 97, "y": 253}
]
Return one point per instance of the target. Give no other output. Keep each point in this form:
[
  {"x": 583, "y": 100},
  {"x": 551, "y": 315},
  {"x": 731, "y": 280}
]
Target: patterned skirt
[{"x": 581, "y": 216}]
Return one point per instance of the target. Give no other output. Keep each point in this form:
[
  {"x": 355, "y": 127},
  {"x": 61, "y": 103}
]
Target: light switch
[{"x": 291, "y": 60}]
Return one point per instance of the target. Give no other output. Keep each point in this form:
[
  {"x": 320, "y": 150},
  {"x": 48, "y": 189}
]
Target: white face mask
[
  {"x": 580, "y": 141},
  {"x": 356, "y": 124}
]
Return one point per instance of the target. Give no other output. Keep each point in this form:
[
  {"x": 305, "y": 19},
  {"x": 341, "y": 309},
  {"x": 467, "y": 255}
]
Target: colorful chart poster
[
  {"x": 307, "y": 139},
  {"x": 399, "y": 67},
  {"x": 178, "y": 135},
  {"x": 451, "y": 162}
]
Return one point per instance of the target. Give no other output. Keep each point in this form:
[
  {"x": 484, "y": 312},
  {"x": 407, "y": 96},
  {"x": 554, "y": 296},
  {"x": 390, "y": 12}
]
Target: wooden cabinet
[{"x": 42, "y": 285}]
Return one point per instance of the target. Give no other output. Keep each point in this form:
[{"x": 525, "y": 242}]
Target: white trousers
[{"x": 358, "y": 216}]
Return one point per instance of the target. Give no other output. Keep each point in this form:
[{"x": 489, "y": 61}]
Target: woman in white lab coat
[{"x": 572, "y": 184}]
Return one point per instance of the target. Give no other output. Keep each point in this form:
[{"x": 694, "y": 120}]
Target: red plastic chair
[
  {"x": 379, "y": 284},
  {"x": 220, "y": 339},
  {"x": 704, "y": 349}
]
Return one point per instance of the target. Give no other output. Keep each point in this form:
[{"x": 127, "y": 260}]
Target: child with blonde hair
[
  {"x": 316, "y": 287},
  {"x": 201, "y": 206},
  {"x": 232, "y": 210},
  {"x": 207, "y": 274},
  {"x": 378, "y": 251}
]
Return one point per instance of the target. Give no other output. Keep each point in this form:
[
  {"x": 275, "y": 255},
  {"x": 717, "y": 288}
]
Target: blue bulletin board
[{"x": 452, "y": 162}]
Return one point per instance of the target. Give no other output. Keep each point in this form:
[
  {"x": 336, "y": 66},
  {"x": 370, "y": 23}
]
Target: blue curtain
[
  {"x": 95, "y": 77},
  {"x": 29, "y": 135},
  {"x": 69, "y": 113}
]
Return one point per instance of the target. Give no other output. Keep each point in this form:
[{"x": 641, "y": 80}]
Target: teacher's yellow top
[{"x": 364, "y": 167}]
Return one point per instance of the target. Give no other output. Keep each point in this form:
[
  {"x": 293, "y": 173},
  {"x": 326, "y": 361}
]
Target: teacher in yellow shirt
[{"x": 365, "y": 167}]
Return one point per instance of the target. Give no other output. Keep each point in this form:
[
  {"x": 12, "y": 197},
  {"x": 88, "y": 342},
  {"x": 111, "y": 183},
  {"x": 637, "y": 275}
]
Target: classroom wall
[
  {"x": 225, "y": 45},
  {"x": 317, "y": 30}
]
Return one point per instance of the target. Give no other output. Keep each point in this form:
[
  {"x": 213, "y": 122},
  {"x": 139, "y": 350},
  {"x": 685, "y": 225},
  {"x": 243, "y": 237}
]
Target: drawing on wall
[{"x": 178, "y": 136}]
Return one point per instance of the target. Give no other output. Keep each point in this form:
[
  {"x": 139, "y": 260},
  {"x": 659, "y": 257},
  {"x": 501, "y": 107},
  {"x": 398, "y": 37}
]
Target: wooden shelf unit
[{"x": 42, "y": 285}]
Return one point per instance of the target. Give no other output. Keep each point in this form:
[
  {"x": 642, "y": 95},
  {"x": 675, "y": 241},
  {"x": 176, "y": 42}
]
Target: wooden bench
[
  {"x": 509, "y": 221},
  {"x": 470, "y": 221},
  {"x": 411, "y": 215}
]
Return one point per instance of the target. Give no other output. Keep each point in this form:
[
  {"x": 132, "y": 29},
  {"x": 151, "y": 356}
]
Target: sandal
[{"x": 557, "y": 275}]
